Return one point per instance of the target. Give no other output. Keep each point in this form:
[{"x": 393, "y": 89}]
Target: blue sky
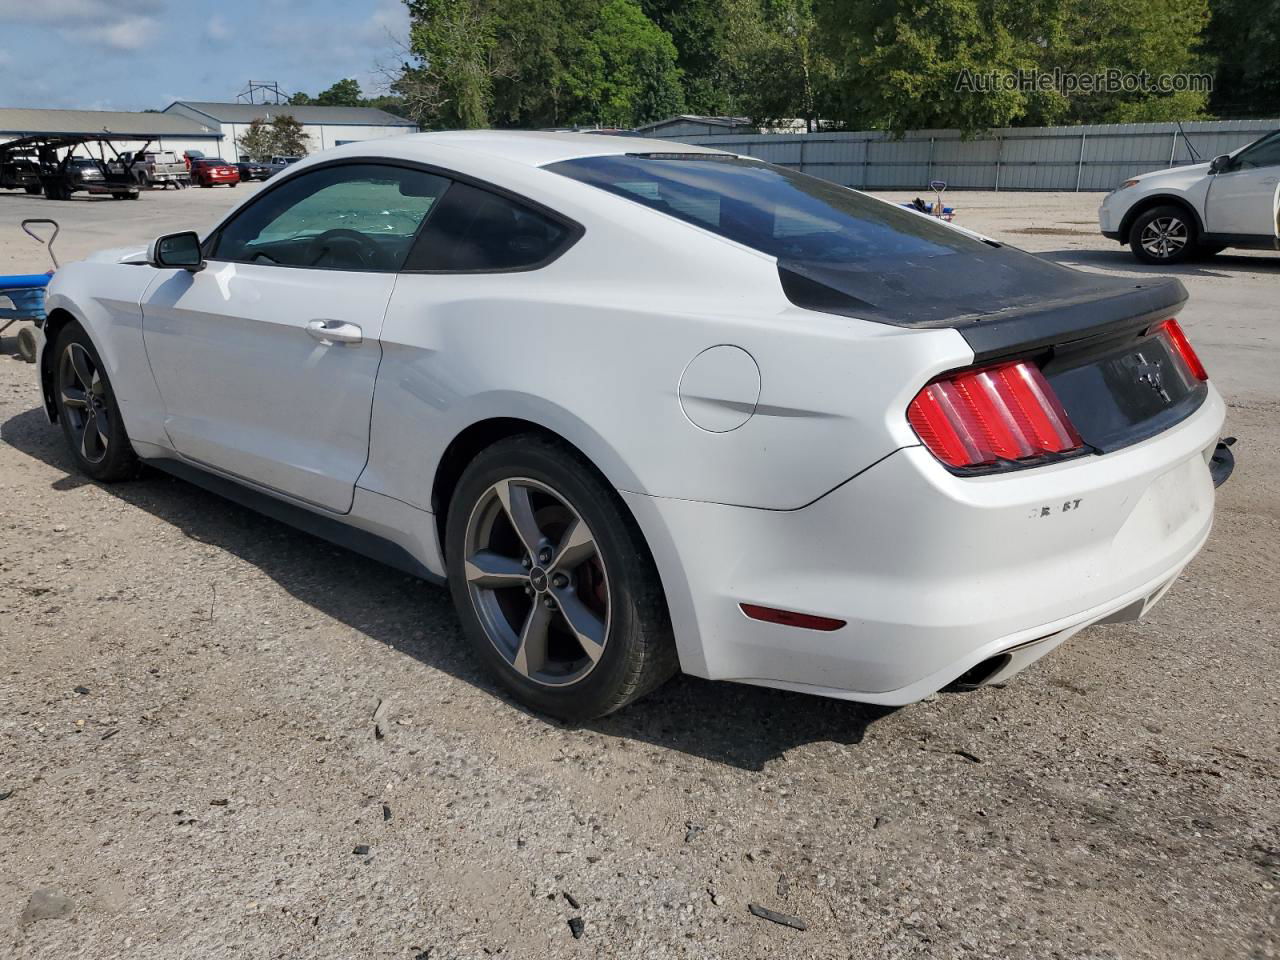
[{"x": 135, "y": 54}]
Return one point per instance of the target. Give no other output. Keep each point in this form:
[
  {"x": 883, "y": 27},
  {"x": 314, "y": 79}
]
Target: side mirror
[
  {"x": 1218, "y": 164},
  {"x": 180, "y": 250}
]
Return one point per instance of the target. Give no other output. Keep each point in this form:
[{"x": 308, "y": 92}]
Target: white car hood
[
  {"x": 119, "y": 255},
  {"x": 1174, "y": 175}
]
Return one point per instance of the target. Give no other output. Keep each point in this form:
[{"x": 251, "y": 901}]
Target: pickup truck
[
  {"x": 1172, "y": 215},
  {"x": 158, "y": 168}
]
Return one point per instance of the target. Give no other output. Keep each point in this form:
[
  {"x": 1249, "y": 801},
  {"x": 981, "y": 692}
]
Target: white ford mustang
[{"x": 649, "y": 410}]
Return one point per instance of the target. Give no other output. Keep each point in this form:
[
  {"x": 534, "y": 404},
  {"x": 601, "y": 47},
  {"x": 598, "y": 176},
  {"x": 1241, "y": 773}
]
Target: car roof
[{"x": 539, "y": 148}]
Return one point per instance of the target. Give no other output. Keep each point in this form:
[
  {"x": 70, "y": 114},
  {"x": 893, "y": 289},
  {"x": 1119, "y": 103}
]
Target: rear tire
[
  {"x": 33, "y": 189},
  {"x": 1163, "y": 235},
  {"x": 87, "y": 409},
  {"x": 569, "y": 613}
]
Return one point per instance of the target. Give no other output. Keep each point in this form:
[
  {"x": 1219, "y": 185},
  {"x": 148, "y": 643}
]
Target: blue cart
[{"x": 22, "y": 295}]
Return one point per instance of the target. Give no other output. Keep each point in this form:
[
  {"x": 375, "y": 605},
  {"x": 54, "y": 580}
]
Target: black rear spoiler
[
  {"x": 1028, "y": 329},
  {"x": 1002, "y": 301}
]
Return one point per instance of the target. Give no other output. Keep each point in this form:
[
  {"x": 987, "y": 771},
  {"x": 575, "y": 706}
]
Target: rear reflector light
[
  {"x": 978, "y": 417},
  {"x": 790, "y": 619},
  {"x": 1172, "y": 331}
]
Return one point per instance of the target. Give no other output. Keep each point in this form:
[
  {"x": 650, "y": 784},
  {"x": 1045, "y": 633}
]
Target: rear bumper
[{"x": 933, "y": 573}]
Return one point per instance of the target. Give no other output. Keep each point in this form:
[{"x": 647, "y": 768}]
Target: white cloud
[
  {"x": 217, "y": 30},
  {"x": 131, "y": 33},
  {"x": 65, "y": 12},
  {"x": 105, "y": 23}
]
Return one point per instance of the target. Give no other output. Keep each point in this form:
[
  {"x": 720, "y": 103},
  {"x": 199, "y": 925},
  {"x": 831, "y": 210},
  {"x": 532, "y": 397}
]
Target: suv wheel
[
  {"x": 1163, "y": 235},
  {"x": 553, "y": 582}
]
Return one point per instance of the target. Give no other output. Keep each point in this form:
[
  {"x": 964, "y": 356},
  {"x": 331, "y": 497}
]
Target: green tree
[
  {"x": 900, "y": 61},
  {"x": 624, "y": 72},
  {"x": 775, "y": 62},
  {"x": 258, "y": 142},
  {"x": 534, "y": 40},
  {"x": 699, "y": 29},
  {"x": 281, "y": 136},
  {"x": 300, "y": 99},
  {"x": 1153, "y": 37},
  {"x": 453, "y": 41},
  {"x": 288, "y": 137},
  {"x": 344, "y": 93},
  {"x": 1243, "y": 42}
]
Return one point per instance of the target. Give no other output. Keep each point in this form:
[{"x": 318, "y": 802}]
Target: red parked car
[{"x": 209, "y": 171}]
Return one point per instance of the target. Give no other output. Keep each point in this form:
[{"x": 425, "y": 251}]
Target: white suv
[{"x": 1171, "y": 215}]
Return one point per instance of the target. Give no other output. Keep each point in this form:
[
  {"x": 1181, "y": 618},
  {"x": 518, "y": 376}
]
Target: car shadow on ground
[
  {"x": 729, "y": 723},
  {"x": 1225, "y": 265}
]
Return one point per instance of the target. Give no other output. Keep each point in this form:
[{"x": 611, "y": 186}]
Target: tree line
[{"x": 858, "y": 64}]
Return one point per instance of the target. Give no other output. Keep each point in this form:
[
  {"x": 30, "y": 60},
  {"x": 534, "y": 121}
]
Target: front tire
[
  {"x": 1163, "y": 235},
  {"x": 88, "y": 411},
  {"x": 553, "y": 583}
]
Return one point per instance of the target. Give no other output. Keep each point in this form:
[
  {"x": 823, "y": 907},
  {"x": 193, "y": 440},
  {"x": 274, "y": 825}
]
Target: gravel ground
[{"x": 189, "y": 765}]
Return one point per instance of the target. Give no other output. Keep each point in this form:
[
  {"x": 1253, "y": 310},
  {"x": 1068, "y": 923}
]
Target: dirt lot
[{"x": 188, "y": 756}]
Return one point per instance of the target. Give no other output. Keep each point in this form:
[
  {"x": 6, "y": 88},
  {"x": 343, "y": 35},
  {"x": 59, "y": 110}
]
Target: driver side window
[
  {"x": 1264, "y": 153},
  {"x": 359, "y": 216}
]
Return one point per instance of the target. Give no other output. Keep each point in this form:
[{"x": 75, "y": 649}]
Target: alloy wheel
[
  {"x": 1164, "y": 237},
  {"x": 85, "y": 402},
  {"x": 538, "y": 581}
]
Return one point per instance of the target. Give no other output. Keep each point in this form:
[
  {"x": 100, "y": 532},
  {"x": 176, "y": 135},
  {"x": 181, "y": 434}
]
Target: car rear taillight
[
  {"x": 979, "y": 417},
  {"x": 1171, "y": 330}
]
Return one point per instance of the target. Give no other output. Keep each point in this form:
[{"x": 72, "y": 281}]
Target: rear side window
[
  {"x": 797, "y": 218},
  {"x": 475, "y": 231}
]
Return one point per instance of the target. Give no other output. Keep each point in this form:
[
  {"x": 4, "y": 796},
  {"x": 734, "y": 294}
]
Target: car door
[
  {"x": 266, "y": 359},
  {"x": 1243, "y": 199}
]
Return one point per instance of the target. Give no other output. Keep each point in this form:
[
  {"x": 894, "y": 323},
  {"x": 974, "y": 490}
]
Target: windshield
[{"x": 796, "y": 218}]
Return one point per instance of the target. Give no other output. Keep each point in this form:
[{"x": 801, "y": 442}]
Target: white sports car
[{"x": 651, "y": 407}]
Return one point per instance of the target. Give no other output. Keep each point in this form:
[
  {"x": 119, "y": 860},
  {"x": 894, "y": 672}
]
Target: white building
[
  {"x": 127, "y": 131},
  {"x": 325, "y": 126}
]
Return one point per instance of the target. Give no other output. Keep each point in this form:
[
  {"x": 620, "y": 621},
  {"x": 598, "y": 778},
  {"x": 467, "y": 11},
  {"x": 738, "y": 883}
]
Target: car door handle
[{"x": 330, "y": 332}]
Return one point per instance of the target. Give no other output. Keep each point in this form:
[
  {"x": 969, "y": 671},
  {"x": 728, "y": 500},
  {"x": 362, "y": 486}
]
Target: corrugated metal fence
[{"x": 1012, "y": 158}]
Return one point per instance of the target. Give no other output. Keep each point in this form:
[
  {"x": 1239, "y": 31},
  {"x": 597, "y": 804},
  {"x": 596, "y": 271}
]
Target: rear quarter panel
[{"x": 593, "y": 347}]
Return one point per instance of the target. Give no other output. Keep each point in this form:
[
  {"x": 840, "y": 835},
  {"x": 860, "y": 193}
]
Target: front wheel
[
  {"x": 88, "y": 411},
  {"x": 553, "y": 582},
  {"x": 1163, "y": 235}
]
